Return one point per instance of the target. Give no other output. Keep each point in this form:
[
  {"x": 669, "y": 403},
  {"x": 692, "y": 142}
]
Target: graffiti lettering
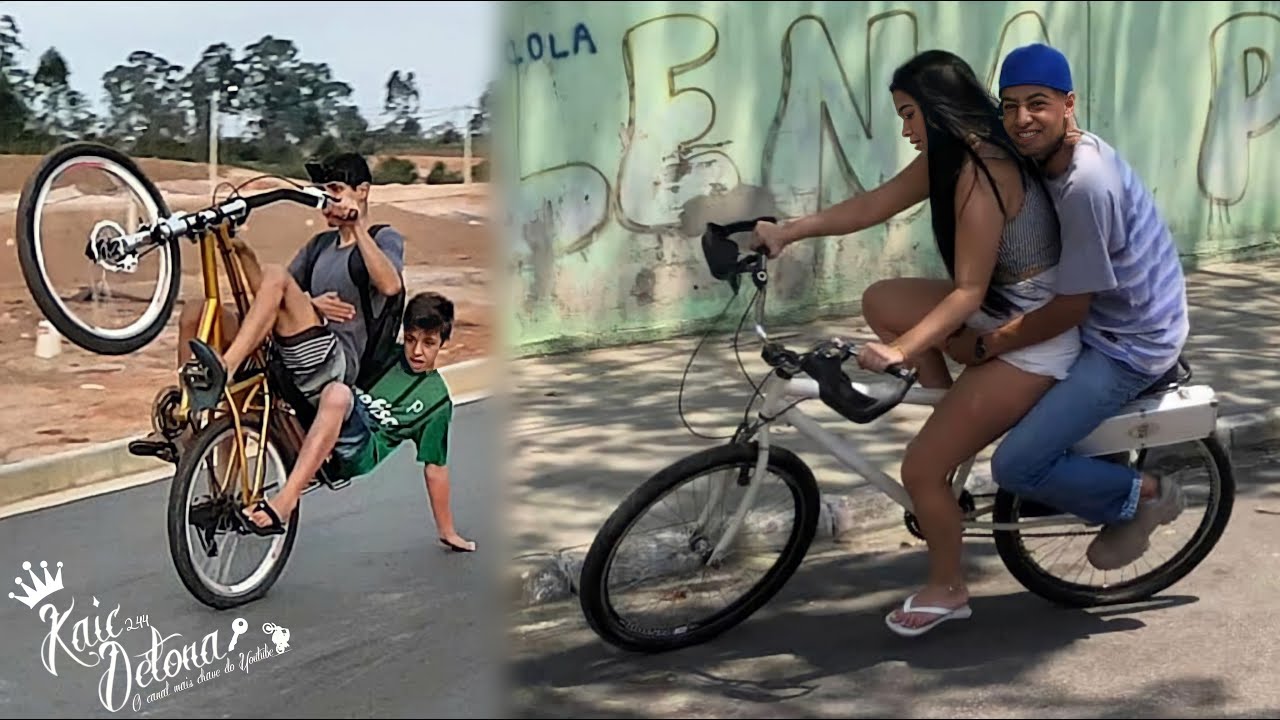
[
  {"x": 1022, "y": 29},
  {"x": 665, "y": 162},
  {"x": 536, "y": 47},
  {"x": 1245, "y": 103},
  {"x": 624, "y": 157},
  {"x": 814, "y": 128},
  {"x": 559, "y": 211}
]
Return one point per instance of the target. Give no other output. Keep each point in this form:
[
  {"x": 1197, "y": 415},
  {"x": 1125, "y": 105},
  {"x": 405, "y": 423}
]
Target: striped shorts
[{"x": 313, "y": 358}]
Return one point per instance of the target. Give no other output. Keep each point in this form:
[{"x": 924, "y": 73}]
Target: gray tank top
[{"x": 1025, "y": 272}]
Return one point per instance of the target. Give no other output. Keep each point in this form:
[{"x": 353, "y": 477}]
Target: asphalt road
[
  {"x": 383, "y": 619},
  {"x": 1204, "y": 648}
]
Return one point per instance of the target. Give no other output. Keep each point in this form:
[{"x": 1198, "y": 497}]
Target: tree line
[{"x": 291, "y": 108}]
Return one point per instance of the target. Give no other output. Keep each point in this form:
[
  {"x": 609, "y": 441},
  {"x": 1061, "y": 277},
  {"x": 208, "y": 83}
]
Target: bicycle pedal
[
  {"x": 199, "y": 384},
  {"x": 196, "y": 377}
]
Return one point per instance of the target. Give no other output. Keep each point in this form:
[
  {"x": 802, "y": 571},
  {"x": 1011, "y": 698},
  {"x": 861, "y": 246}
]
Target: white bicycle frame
[{"x": 1188, "y": 413}]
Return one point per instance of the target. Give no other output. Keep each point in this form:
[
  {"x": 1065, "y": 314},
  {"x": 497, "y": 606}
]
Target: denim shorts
[{"x": 356, "y": 452}]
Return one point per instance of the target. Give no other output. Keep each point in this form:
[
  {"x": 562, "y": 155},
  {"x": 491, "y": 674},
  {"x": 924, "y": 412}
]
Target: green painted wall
[{"x": 631, "y": 126}]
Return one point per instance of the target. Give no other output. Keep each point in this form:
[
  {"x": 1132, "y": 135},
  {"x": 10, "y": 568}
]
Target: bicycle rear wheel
[
  {"x": 667, "y": 552},
  {"x": 65, "y": 248},
  {"x": 201, "y": 526},
  {"x": 1065, "y": 576}
]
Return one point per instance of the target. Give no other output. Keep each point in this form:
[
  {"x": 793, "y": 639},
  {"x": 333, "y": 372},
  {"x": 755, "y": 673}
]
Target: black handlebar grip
[
  {"x": 734, "y": 228},
  {"x": 837, "y": 391}
]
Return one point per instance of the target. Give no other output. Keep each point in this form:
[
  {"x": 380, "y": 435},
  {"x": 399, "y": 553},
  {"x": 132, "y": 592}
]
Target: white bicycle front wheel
[
  {"x": 107, "y": 302},
  {"x": 653, "y": 589}
]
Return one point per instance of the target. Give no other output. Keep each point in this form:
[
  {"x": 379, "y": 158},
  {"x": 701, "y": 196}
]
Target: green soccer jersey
[{"x": 405, "y": 406}]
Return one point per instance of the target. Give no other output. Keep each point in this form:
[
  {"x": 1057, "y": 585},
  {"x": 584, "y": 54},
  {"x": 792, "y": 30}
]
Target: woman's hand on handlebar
[{"x": 879, "y": 357}]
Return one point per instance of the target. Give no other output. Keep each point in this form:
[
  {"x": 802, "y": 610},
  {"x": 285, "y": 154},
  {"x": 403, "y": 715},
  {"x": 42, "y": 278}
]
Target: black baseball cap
[{"x": 349, "y": 168}]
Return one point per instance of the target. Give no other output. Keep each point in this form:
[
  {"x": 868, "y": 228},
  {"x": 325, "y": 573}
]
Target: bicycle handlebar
[
  {"x": 823, "y": 362},
  {"x": 236, "y": 210},
  {"x": 837, "y": 390}
]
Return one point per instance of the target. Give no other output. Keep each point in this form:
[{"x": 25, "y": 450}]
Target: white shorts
[{"x": 1051, "y": 358}]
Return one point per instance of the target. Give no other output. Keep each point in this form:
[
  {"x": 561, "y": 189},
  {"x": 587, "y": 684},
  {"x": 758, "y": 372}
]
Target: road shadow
[
  {"x": 827, "y": 625},
  {"x": 588, "y": 429}
]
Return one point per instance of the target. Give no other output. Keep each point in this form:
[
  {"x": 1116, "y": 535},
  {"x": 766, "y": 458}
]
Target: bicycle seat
[{"x": 1173, "y": 379}]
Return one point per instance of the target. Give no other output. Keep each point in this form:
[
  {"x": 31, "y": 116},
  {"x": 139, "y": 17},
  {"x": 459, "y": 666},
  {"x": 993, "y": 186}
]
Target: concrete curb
[
  {"x": 555, "y": 577},
  {"x": 469, "y": 381},
  {"x": 73, "y": 469},
  {"x": 1249, "y": 429}
]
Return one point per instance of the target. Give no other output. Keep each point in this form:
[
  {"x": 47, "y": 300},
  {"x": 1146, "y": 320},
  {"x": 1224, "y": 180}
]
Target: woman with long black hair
[{"x": 997, "y": 232}]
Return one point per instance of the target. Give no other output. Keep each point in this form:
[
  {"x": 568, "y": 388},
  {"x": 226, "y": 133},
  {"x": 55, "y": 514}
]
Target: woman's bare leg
[
  {"x": 984, "y": 403},
  {"x": 892, "y": 307}
]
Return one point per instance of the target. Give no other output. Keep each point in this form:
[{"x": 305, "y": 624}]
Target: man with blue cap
[{"x": 1120, "y": 280}]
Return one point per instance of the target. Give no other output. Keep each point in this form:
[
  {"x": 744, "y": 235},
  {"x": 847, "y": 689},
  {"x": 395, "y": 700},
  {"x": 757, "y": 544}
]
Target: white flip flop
[{"x": 964, "y": 612}]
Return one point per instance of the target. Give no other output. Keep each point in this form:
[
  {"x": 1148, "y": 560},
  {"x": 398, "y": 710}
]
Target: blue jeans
[{"x": 1034, "y": 459}]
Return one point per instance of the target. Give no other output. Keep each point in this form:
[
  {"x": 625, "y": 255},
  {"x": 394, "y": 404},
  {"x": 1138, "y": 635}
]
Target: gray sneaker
[{"x": 1120, "y": 544}]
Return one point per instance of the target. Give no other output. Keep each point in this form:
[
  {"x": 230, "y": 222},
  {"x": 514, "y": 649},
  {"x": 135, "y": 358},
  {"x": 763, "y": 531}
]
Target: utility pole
[
  {"x": 213, "y": 141},
  {"x": 466, "y": 149}
]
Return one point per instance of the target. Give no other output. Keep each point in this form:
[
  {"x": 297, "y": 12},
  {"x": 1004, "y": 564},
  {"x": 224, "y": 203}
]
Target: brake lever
[
  {"x": 331, "y": 200},
  {"x": 901, "y": 373},
  {"x": 835, "y": 347}
]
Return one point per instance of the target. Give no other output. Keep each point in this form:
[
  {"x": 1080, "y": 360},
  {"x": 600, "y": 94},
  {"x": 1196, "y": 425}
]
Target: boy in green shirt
[{"x": 409, "y": 402}]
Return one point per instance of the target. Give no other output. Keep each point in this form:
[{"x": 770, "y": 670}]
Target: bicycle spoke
[
  {"x": 79, "y": 206},
  {"x": 706, "y": 588},
  {"x": 229, "y": 558},
  {"x": 1061, "y": 569},
  {"x": 221, "y": 464}
]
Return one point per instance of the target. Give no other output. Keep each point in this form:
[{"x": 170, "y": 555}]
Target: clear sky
[{"x": 451, "y": 47}]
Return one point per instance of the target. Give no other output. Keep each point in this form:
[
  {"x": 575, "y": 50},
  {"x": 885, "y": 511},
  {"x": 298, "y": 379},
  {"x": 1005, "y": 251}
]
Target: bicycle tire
[
  {"x": 179, "y": 539},
  {"x": 1061, "y": 592},
  {"x": 30, "y": 260},
  {"x": 592, "y": 579}
]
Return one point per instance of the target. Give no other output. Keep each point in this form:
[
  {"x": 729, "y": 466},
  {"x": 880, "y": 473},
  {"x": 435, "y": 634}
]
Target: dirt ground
[
  {"x": 79, "y": 398},
  {"x": 424, "y": 163}
]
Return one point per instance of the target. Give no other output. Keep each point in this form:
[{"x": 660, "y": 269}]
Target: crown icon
[{"x": 43, "y": 589}]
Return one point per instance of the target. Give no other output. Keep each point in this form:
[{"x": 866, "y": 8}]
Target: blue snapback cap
[{"x": 1036, "y": 64}]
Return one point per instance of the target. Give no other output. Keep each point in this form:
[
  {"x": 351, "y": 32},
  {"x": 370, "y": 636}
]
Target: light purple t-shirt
[{"x": 1116, "y": 245}]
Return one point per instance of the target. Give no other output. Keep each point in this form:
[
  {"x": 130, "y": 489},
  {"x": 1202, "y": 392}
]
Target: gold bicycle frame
[{"x": 240, "y": 397}]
